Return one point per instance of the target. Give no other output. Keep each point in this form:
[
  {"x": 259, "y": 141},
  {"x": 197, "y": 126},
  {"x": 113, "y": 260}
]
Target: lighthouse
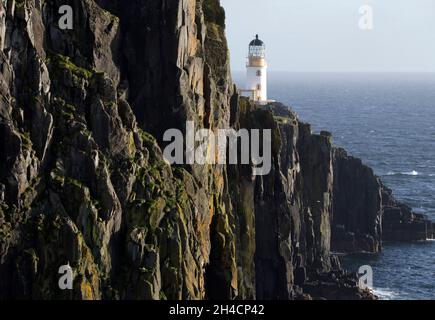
[{"x": 256, "y": 71}]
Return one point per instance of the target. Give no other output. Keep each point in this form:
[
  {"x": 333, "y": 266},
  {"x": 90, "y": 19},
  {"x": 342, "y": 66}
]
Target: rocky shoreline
[{"x": 83, "y": 180}]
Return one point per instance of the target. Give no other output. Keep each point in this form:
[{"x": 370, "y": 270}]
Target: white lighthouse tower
[{"x": 256, "y": 71}]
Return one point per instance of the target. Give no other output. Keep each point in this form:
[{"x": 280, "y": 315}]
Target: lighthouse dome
[
  {"x": 256, "y": 42},
  {"x": 257, "y": 48}
]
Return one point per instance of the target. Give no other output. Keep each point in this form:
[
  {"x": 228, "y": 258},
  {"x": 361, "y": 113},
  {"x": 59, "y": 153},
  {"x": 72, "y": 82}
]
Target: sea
[{"x": 387, "y": 120}]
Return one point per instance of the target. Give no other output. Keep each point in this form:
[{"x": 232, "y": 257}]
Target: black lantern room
[{"x": 257, "y": 48}]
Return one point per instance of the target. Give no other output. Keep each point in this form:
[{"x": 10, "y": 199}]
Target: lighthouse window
[
  {"x": 258, "y": 86},
  {"x": 259, "y": 73}
]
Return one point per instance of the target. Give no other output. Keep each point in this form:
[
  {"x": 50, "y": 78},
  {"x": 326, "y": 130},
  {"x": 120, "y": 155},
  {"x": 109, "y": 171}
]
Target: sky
[{"x": 325, "y": 35}]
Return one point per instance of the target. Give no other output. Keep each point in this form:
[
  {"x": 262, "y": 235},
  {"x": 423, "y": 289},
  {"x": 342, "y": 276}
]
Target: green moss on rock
[{"x": 61, "y": 62}]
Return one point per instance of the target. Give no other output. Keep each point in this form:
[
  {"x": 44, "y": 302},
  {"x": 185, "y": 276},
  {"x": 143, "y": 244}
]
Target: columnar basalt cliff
[
  {"x": 358, "y": 209},
  {"x": 366, "y": 213},
  {"x": 83, "y": 180}
]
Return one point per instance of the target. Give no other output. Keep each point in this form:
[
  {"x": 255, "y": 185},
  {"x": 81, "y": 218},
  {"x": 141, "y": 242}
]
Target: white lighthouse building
[{"x": 256, "y": 71}]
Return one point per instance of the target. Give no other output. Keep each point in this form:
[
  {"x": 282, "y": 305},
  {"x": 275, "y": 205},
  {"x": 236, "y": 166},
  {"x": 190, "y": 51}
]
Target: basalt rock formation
[
  {"x": 400, "y": 223},
  {"x": 83, "y": 181},
  {"x": 366, "y": 212},
  {"x": 358, "y": 209}
]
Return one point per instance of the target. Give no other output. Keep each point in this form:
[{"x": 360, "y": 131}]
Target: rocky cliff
[
  {"x": 400, "y": 223},
  {"x": 83, "y": 180},
  {"x": 366, "y": 213},
  {"x": 358, "y": 209}
]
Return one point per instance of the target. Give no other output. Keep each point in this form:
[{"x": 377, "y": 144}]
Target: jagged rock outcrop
[
  {"x": 83, "y": 183},
  {"x": 400, "y": 223},
  {"x": 366, "y": 212},
  {"x": 358, "y": 210}
]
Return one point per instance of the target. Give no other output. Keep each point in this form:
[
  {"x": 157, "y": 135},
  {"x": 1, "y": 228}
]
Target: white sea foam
[
  {"x": 386, "y": 294},
  {"x": 406, "y": 173}
]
